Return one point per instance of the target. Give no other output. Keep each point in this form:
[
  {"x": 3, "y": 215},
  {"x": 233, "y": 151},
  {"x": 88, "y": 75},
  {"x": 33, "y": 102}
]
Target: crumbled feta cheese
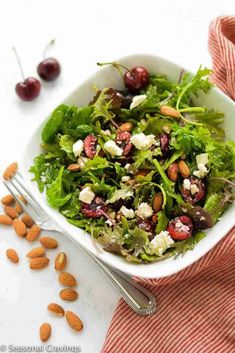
[
  {"x": 144, "y": 210},
  {"x": 160, "y": 243},
  {"x": 82, "y": 161},
  {"x": 106, "y": 132},
  {"x": 112, "y": 148},
  {"x": 128, "y": 213},
  {"x": 202, "y": 160},
  {"x": 127, "y": 166},
  {"x": 87, "y": 195},
  {"x": 187, "y": 184},
  {"x": 142, "y": 141},
  {"x": 194, "y": 189},
  {"x": 125, "y": 178},
  {"x": 78, "y": 148},
  {"x": 109, "y": 223},
  {"x": 137, "y": 100},
  {"x": 181, "y": 227}
]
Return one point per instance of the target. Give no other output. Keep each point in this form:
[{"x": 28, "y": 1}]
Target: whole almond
[
  {"x": 45, "y": 331},
  {"x": 74, "y": 321},
  {"x": 74, "y": 167},
  {"x": 184, "y": 169},
  {"x": 66, "y": 279},
  {"x": 68, "y": 294},
  {"x": 18, "y": 208},
  {"x": 23, "y": 199},
  {"x": 126, "y": 127},
  {"x": 158, "y": 201},
  {"x": 28, "y": 221},
  {"x": 169, "y": 111},
  {"x": 172, "y": 171},
  {"x": 11, "y": 212},
  {"x": 20, "y": 227},
  {"x": 142, "y": 172},
  {"x": 6, "y": 220},
  {"x": 12, "y": 255},
  {"x": 8, "y": 200},
  {"x": 48, "y": 242},
  {"x": 10, "y": 171},
  {"x": 33, "y": 233},
  {"x": 56, "y": 309},
  {"x": 60, "y": 261},
  {"x": 36, "y": 252},
  {"x": 38, "y": 263}
]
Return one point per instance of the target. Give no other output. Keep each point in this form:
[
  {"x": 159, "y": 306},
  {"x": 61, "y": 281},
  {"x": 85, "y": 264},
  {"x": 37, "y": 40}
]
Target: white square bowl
[{"x": 109, "y": 77}]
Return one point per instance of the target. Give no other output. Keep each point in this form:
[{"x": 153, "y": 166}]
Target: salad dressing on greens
[{"x": 143, "y": 170}]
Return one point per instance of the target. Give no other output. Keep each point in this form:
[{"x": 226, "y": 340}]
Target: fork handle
[{"x": 136, "y": 296}]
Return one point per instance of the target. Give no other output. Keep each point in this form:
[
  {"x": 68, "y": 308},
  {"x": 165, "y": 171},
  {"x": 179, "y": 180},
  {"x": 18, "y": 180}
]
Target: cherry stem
[
  {"x": 50, "y": 44},
  {"x": 19, "y": 63},
  {"x": 107, "y": 216},
  {"x": 116, "y": 65}
]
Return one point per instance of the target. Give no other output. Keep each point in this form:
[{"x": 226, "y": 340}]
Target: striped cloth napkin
[{"x": 196, "y": 307}]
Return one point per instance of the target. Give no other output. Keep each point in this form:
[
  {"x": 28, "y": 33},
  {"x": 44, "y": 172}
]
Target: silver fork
[{"x": 135, "y": 295}]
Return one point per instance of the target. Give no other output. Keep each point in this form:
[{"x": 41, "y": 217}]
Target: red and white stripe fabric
[
  {"x": 196, "y": 307},
  {"x": 222, "y": 50}
]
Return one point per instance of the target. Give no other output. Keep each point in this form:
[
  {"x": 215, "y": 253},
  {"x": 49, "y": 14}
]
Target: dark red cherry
[
  {"x": 29, "y": 89},
  {"x": 90, "y": 144},
  {"x": 123, "y": 141},
  {"x": 49, "y": 69},
  {"x": 193, "y": 197},
  {"x": 136, "y": 78},
  {"x": 180, "y": 228}
]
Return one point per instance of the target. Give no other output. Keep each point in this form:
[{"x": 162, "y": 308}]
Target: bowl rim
[{"x": 123, "y": 265}]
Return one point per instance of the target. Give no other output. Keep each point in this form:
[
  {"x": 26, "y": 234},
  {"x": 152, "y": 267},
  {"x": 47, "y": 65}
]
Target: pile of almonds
[{"x": 25, "y": 228}]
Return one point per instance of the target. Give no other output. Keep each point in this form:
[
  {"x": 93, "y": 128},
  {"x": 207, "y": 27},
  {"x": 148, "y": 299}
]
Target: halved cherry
[
  {"x": 148, "y": 226},
  {"x": 89, "y": 145},
  {"x": 164, "y": 143},
  {"x": 95, "y": 209},
  {"x": 123, "y": 141},
  {"x": 180, "y": 228},
  {"x": 193, "y": 196}
]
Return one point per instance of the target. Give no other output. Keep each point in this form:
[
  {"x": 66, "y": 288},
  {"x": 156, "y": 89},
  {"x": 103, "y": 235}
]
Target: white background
[{"x": 85, "y": 32}]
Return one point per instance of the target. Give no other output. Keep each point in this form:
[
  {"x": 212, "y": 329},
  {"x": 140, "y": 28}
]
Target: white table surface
[{"x": 86, "y": 32}]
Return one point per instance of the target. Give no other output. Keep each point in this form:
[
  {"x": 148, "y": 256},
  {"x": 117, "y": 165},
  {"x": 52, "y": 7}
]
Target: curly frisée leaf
[
  {"x": 120, "y": 194},
  {"x": 55, "y": 192}
]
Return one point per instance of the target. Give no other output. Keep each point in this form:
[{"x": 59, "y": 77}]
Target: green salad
[{"x": 143, "y": 170}]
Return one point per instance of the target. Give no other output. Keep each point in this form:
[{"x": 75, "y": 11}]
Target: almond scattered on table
[
  {"x": 36, "y": 252},
  {"x": 18, "y": 208},
  {"x": 20, "y": 227},
  {"x": 11, "y": 212},
  {"x": 38, "y": 263},
  {"x": 8, "y": 200},
  {"x": 45, "y": 331},
  {"x": 6, "y": 220},
  {"x": 74, "y": 321},
  {"x": 60, "y": 261},
  {"x": 10, "y": 171},
  {"x": 33, "y": 233},
  {"x": 12, "y": 255},
  {"x": 28, "y": 221},
  {"x": 66, "y": 279},
  {"x": 48, "y": 242},
  {"x": 68, "y": 294},
  {"x": 55, "y": 309}
]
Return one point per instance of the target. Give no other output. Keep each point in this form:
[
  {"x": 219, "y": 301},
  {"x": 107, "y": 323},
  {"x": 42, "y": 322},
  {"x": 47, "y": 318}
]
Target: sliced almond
[
  {"x": 33, "y": 233},
  {"x": 11, "y": 212},
  {"x": 45, "y": 331},
  {"x": 184, "y": 169},
  {"x": 36, "y": 252},
  {"x": 8, "y": 200},
  {"x": 68, "y": 294},
  {"x": 74, "y": 321},
  {"x": 48, "y": 242},
  {"x": 28, "y": 221},
  {"x": 20, "y": 227},
  {"x": 10, "y": 171},
  {"x": 6, "y": 220},
  {"x": 38, "y": 263},
  {"x": 56, "y": 309},
  {"x": 66, "y": 279},
  {"x": 169, "y": 111},
  {"x": 12, "y": 255},
  {"x": 158, "y": 201},
  {"x": 74, "y": 167},
  {"x": 60, "y": 261}
]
